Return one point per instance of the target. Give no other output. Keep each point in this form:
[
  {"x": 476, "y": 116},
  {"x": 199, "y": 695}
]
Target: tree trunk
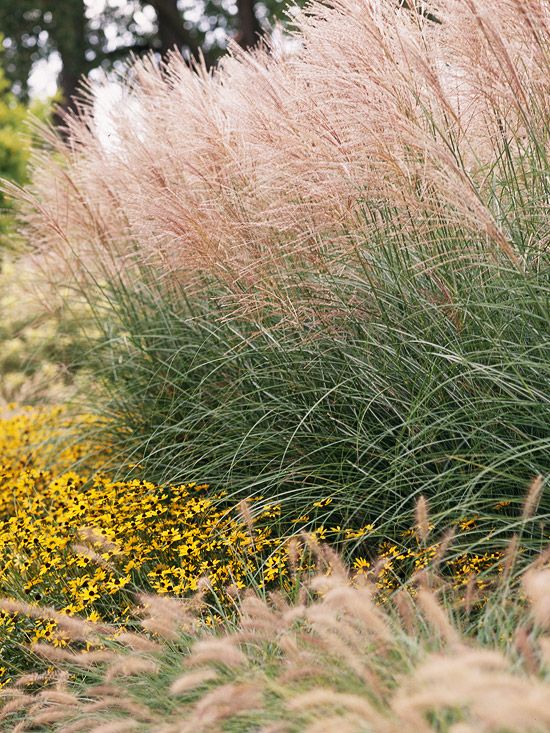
[
  {"x": 69, "y": 35},
  {"x": 250, "y": 29},
  {"x": 172, "y": 32}
]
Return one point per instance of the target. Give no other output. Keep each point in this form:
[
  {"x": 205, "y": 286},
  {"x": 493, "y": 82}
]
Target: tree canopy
[{"x": 86, "y": 34}]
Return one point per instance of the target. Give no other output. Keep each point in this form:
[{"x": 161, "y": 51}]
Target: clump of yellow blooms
[{"x": 84, "y": 543}]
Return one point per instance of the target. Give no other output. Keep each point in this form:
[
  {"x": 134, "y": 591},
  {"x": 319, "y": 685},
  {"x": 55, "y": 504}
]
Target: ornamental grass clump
[
  {"x": 323, "y": 271},
  {"x": 330, "y": 660},
  {"x": 420, "y": 124},
  {"x": 370, "y": 413}
]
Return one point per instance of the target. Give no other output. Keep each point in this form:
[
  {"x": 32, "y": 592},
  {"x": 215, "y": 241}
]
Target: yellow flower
[
  {"x": 361, "y": 564},
  {"x": 114, "y": 585},
  {"x": 465, "y": 524},
  {"x": 44, "y": 631}
]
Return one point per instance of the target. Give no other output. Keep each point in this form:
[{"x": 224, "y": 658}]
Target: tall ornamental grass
[{"x": 322, "y": 271}]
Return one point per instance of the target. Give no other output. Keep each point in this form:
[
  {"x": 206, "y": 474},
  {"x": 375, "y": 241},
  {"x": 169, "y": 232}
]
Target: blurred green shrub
[{"x": 15, "y": 146}]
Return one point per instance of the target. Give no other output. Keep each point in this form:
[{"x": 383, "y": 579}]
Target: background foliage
[
  {"x": 15, "y": 147},
  {"x": 86, "y": 35}
]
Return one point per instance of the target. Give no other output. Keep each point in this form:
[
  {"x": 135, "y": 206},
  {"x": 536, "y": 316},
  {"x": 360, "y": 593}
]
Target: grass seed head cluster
[{"x": 428, "y": 130}]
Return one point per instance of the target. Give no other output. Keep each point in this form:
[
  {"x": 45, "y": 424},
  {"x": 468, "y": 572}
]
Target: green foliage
[
  {"x": 15, "y": 146},
  {"x": 14, "y": 151}
]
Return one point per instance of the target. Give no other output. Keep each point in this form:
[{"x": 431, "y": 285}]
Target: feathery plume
[
  {"x": 131, "y": 664},
  {"x": 116, "y": 726},
  {"x": 221, "y": 704},
  {"x": 217, "y": 651},
  {"x": 422, "y": 521},
  {"x": 52, "y": 715},
  {"x": 139, "y": 642},
  {"x": 536, "y": 585},
  {"x": 524, "y": 646},
  {"x": 437, "y": 616},
  {"x": 20, "y": 702},
  {"x": 533, "y": 497},
  {"x": 192, "y": 680}
]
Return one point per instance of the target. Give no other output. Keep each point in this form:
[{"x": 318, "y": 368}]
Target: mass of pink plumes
[{"x": 381, "y": 123}]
